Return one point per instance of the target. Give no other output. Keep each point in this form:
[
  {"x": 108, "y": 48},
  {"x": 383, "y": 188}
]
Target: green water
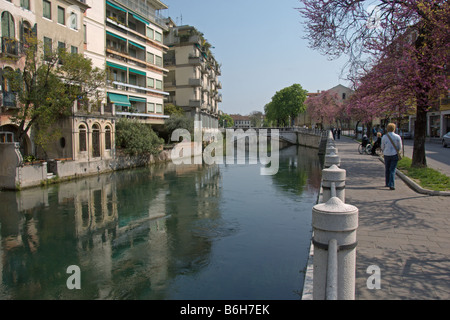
[{"x": 168, "y": 232}]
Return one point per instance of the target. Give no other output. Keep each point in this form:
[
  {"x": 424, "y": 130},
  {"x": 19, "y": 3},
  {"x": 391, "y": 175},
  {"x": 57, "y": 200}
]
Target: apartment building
[
  {"x": 17, "y": 20},
  {"x": 193, "y": 77},
  {"x": 57, "y": 25},
  {"x": 134, "y": 56}
]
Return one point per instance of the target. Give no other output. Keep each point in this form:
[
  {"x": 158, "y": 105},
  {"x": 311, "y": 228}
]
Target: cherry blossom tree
[
  {"x": 397, "y": 50},
  {"x": 324, "y": 107}
]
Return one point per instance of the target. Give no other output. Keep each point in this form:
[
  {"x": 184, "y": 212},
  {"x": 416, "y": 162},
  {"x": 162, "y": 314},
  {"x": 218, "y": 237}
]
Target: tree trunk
[{"x": 419, "y": 159}]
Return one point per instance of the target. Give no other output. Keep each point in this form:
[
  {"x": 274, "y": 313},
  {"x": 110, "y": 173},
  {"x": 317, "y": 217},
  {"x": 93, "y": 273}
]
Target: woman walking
[{"x": 391, "y": 143}]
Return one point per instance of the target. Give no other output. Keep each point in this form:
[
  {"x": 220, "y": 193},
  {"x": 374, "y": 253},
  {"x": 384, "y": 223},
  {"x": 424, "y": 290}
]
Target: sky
[{"x": 261, "y": 47}]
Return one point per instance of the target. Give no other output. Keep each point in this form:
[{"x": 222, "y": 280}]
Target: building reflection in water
[
  {"x": 129, "y": 232},
  {"x": 163, "y": 232}
]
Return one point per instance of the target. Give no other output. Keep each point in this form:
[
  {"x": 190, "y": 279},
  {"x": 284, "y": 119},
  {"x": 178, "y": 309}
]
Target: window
[
  {"x": 132, "y": 79},
  {"x": 344, "y": 96},
  {"x": 82, "y": 138},
  {"x": 47, "y": 9},
  {"x": 61, "y": 46},
  {"x": 47, "y": 48},
  {"x": 27, "y": 32},
  {"x": 73, "y": 21},
  {"x": 25, "y": 4},
  {"x": 150, "y": 58},
  {"x": 61, "y": 15},
  {"x": 8, "y": 29},
  {"x": 158, "y": 84},
  {"x": 150, "y": 33},
  {"x": 85, "y": 33},
  {"x": 158, "y": 36},
  {"x": 159, "y": 108},
  {"x": 73, "y": 49},
  {"x": 95, "y": 140},
  {"x": 150, "y": 83},
  {"x": 158, "y": 61},
  {"x": 108, "y": 138},
  {"x": 150, "y": 107},
  {"x": 61, "y": 49},
  {"x": 132, "y": 52},
  {"x": 62, "y": 142}
]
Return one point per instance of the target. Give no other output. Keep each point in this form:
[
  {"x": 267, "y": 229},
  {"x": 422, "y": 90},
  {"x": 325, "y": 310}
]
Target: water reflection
[{"x": 165, "y": 232}]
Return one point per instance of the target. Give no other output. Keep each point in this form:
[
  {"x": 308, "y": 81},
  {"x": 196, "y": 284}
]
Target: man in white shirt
[{"x": 390, "y": 154}]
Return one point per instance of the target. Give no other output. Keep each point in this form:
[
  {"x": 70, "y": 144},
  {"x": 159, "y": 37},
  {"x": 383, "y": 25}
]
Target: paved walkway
[{"x": 404, "y": 233}]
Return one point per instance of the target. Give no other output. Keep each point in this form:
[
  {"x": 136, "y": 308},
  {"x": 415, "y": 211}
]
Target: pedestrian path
[{"x": 404, "y": 233}]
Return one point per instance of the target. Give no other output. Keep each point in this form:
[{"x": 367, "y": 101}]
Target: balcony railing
[
  {"x": 195, "y": 103},
  {"x": 8, "y": 99},
  {"x": 196, "y": 60},
  {"x": 195, "y": 82},
  {"x": 145, "y": 10},
  {"x": 11, "y": 46}
]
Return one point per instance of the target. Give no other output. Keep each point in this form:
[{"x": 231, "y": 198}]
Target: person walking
[{"x": 391, "y": 144}]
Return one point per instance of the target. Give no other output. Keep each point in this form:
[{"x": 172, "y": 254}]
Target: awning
[
  {"x": 136, "y": 45},
  {"x": 115, "y": 6},
  {"x": 116, "y": 36},
  {"x": 142, "y": 73},
  {"x": 119, "y": 99},
  {"x": 117, "y": 66},
  {"x": 137, "y": 99},
  {"x": 140, "y": 19}
]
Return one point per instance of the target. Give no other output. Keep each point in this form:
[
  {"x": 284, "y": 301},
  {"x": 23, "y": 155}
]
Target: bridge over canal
[{"x": 314, "y": 138}]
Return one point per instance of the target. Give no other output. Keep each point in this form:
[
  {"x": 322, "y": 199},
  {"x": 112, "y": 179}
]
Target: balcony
[
  {"x": 194, "y": 82},
  {"x": 196, "y": 60},
  {"x": 150, "y": 11},
  {"x": 195, "y": 103},
  {"x": 11, "y": 46},
  {"x": 8, "y": 99}
]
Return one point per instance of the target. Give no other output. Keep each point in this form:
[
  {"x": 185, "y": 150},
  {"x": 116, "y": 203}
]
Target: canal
[{"x": 191, "y": 232}]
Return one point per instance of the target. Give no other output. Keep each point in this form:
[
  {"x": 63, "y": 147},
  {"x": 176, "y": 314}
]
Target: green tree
[
  {"x": 286, "y": 104},
  {"x": 179, "y": 122},
  {"x": 48, "y": 86},
  {"x": 229, "y": 120},
  {"x": 171, "y": 109},
  {"x": 137, "y": 138},
  {"x": 256, "y": 119}
]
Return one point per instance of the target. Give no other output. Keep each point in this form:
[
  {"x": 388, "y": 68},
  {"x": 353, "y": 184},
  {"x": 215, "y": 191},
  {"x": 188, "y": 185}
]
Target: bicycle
[{"x": 367, "y": 149}]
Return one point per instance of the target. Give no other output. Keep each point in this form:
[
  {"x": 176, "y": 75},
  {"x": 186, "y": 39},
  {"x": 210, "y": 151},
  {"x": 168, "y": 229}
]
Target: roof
[
  {"x": 158, "y": 5},
  {"x": 238, "y": 117}
]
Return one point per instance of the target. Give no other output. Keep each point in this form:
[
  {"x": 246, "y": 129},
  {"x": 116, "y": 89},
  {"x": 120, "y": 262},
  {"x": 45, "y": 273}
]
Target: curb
[{"x": 415, "y": 187}]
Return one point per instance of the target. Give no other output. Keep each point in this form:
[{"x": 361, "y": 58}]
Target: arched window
[
  {"x": 95, "y": 140},
  {"x": 108, "y": 138},
  {"x": 27, "y": 32},
  {"x": 8, "y": 30},
  {"x": 82, "y": 138}
]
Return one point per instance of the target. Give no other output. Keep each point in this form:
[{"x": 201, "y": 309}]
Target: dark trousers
[{"x": 390, "y": 164}]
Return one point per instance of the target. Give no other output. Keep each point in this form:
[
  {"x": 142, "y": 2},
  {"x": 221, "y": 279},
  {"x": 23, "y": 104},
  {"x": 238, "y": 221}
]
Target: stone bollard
[
  {"x": 334, "y": 220},
  {"x": 331, "y": 149},
  {"x": 335, "y": 175},
  {"x": 332, "y": 159}
]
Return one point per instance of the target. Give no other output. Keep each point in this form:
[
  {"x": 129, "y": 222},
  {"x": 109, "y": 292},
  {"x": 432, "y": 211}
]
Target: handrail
[
  {"x": 332, "y": 216},
  {"x": 332, "y": 271}
]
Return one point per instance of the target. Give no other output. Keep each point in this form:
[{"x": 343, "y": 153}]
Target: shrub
[{"x": 137, "y": 138}]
